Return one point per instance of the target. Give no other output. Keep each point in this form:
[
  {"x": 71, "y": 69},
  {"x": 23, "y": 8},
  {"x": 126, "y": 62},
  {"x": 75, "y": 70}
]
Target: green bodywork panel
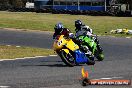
[{"x": 88, "y": 42}]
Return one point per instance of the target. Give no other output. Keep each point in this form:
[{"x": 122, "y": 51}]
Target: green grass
[
  {"x": 46, "y": 22},
  {"x": 11, "y": 52}
]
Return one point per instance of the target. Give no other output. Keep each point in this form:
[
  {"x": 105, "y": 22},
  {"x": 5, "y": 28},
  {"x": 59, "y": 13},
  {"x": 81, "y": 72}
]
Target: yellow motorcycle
[{"x": 69, "y": 52}]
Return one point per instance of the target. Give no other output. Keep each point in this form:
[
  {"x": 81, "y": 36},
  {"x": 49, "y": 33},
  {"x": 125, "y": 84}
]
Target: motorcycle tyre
[
  {"x": 63, "y": 54},
  {"x": 100, "y": 56}
]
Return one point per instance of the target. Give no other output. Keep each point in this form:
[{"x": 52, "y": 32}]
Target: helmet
[
  {"x": 58, "y": 27},
  {"x": 78, "y": 24}
]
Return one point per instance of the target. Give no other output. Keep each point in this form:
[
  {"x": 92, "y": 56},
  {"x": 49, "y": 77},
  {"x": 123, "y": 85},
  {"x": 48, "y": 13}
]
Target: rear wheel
[{"x": 67, "y": 58}]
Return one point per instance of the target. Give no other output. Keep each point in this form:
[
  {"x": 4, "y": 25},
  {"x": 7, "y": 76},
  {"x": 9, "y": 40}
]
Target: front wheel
[
  {"x": 68, "y": 59},
  {"x": 100, "y": 56}
]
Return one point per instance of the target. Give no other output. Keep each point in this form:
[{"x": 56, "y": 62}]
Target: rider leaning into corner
[
  {"x": 82, "y": 29},
  {"x": 60, "y": 30}
]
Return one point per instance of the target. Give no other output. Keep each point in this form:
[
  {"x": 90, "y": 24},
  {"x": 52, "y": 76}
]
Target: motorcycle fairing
[
  {"x": 61, "y": 42},
  {"x": 71, "y": 45},
  {"x": 80, "y": 57},
  {"x": 89, "y": 41},
  {"x": 66, "y": 50}
]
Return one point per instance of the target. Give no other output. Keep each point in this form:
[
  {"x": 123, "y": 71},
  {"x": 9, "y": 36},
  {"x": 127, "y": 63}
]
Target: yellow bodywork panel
[
  {"x": 71, "y": 45},
  {"x": 66, "y": 50},
  {"x": 59, "y": 43}
]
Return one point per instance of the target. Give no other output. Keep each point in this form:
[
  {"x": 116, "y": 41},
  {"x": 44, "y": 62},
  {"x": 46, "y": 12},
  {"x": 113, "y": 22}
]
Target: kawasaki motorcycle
[
  {"x": 86, "y": 41},
  {"x": 69, "y": 52}
]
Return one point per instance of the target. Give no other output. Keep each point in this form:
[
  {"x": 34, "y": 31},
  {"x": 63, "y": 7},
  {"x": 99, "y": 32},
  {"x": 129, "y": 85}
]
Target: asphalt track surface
[{"x": 51, "y": 72}]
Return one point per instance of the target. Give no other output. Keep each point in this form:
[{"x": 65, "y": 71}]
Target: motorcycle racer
[
  {"x": 82, "y": 29},
  {"x": 60, "y": 30}
]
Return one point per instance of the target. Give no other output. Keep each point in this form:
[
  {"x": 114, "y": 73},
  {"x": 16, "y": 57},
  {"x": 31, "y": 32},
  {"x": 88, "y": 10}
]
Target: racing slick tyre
[
  {"x": 67, "y": 58},
  {"x": 100, "y": 56}
]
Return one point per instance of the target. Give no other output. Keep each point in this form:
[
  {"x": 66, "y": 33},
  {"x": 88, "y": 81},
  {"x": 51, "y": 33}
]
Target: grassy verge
[
  {"x": 45, "y": 22},
  {"x": 11, "y": 52}
]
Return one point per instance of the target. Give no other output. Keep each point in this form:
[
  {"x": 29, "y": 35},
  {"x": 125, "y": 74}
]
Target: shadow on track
[{"x": 47, "y": 65}]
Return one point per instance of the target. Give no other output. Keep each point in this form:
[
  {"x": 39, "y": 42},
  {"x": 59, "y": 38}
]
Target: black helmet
[
  {"x": 58, "y": 27},
  {"x": 78, "y": 24}
]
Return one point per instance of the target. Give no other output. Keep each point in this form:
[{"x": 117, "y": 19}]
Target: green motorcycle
[{"x": 89, "y": 42}]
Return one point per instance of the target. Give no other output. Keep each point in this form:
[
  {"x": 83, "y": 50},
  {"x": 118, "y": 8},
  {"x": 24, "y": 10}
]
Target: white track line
[
  {"x": 53, "y": 55},
  {"x": 29, "y": 57},
  {"x": 19, "y": 58},
  {"x": 4, "y": 86},
  {"x": 6, "y": 59},
  {"x": 26, "y": 58},
  {"x": 40, "y": 56}
]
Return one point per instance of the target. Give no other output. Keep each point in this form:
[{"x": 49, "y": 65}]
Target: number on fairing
[{"x": 60, "y": 42}]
